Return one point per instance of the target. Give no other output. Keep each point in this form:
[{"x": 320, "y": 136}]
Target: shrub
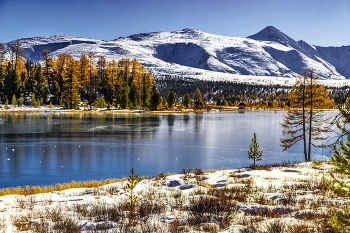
[
  {"x": 101, "y": 103},
  {"x": 275, "y": 227},
  {"x": 206, "y": 208},
  {"x": 67, "y": 225}
]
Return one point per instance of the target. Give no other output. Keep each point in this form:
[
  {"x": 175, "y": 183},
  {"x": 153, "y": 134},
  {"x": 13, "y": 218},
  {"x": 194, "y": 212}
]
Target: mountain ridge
[{"x": 186, "y": 52}]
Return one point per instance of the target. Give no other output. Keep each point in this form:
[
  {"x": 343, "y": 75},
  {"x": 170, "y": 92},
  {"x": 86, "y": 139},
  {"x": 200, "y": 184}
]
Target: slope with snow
[{"x": 198, "y": 54}]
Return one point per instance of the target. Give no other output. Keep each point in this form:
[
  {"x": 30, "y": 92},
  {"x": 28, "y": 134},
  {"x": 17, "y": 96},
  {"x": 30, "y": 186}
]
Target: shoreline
[
  {"x": 42, "y": 189},
  {"x": 47, "y": 109}
]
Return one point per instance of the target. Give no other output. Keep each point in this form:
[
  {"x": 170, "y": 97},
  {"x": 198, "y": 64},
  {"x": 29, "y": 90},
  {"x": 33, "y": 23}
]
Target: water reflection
[{"x": 53, "y": 148}]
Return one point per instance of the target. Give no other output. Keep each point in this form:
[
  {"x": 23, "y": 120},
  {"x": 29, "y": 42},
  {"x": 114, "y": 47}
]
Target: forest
[
  {"x": 126, "y": 84},
  {"x": 62, "y": 80},
  {"x": 221, "y": 93}
]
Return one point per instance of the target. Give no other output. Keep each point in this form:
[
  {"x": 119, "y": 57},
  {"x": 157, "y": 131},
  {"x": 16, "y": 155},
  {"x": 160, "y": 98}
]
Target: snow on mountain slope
[{"x": 194, "y": 53}]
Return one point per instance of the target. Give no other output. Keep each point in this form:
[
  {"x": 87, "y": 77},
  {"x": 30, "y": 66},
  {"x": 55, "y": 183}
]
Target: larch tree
[
  {"x": 92, "y": 77},
  {"x": 71, "y": 84},
  {"x": 198, "y": 99},
  {"x": 305, "y": 121},
  {"x": 83, "y": 74},
  {"x": 17, "y": 51},
  {"x": 136, "y": 83},
  {"x": 2, "y": 61},
  {"x": 147, "y": 86},
  {"x": 103, "y": 83},
  {"x": 48, "y": 67}
]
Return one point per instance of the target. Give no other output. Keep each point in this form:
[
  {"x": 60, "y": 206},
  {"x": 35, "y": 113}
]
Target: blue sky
[{"x": 319, "y": 22}]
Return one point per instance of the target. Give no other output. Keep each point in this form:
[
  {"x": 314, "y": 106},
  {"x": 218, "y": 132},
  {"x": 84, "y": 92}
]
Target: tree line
[
  {"x": 63, "y": 80},
  {"x": 230, "y": 93}
]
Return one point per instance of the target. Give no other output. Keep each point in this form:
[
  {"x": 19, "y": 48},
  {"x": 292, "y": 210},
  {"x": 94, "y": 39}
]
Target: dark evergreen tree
[
  {"x": 339, "y": 184},
  {"x": 186, "y": 100},
  {"x": 156, "y": 99},
  {"x": 171, "y": 98},
  {"x": 254, "y": 152}
]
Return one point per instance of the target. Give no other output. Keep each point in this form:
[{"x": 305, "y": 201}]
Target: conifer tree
[
  {"x": 305, "y": 120},
  {"x": 254, "y": 152},
  {"x": 16, "y": 53},
  {"x": 156, "y": 99},
  {"x": 12, "y": 82},
  {"x": 101, "y": 81},
  {"x": 341, "y": 161},
  {"x": 2, "y": 61},
  {"x": 48, "y": 67},
  {"x": 198, "y": 99},
  {"x": 186, "y": 100},
  {"x": 92, "y": 77},
  {"x": 71, "y": 85},
  {"x": 83, "y": 74},
  {"x": 14, "y": 100},
  {"x": 129, "y": 187},
  {"x": 147, "y": 85},
  {"x": 171, "y": 98}
]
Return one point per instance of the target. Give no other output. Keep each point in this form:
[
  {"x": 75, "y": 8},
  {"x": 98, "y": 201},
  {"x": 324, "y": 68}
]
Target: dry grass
[
  {"x": 240, "y": 200},
  {"x": 58, "y": 187}
]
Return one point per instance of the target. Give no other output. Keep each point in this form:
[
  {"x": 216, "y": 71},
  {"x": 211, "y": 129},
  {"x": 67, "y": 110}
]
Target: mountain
[{"x": 191, "y": 52}]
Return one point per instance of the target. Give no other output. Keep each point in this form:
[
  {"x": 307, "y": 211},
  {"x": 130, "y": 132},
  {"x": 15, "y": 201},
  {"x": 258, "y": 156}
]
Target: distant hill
[{"x": 190, "y": 52}]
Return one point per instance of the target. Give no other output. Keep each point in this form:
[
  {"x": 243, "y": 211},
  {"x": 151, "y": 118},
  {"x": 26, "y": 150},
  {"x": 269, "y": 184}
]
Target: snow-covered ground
[{"x": 290, "y": 197}]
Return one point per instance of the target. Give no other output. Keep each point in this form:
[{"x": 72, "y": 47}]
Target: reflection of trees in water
[
  {"x": 98, "y": 126},
  {"x": 186, "y": 118},
  {"x": 198, "y": 121},
  {"x": 171, "y": 120}
]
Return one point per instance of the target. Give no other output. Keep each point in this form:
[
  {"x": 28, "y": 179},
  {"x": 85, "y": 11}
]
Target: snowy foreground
[{"x": 289, "y": 198}]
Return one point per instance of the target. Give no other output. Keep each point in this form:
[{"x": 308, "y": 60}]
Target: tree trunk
[
  {"x": 311, "y": 115},
  {"x": 304, "y": 118}
]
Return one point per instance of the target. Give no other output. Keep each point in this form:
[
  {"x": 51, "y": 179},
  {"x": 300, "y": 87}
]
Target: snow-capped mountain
[{"x": 195, "y": 53}]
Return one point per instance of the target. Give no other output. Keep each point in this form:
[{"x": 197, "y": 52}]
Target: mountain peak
[{"x": 271, "y": 33}]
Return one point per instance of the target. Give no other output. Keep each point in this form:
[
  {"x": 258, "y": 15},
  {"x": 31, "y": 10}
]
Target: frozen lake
[{"x": 50, "y": 148}]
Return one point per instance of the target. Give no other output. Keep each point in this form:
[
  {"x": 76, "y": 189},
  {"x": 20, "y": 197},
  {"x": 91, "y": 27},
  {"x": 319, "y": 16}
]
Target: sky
[{"x": 318, "y": 22}]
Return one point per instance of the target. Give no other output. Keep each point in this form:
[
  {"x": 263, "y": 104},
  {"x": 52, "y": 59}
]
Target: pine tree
[
  {"x": 186, "y": 100},
  {"x": 129, "y": 187},
  {"x": 171, "y": 98},
  {"x": 254, "y": 152},
  {"x": 156, "y": 99},
  {"x": 341, "y": 161}
]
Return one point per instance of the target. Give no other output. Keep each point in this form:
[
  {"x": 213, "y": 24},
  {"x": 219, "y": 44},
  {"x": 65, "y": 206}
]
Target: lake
[{"x": 48, "y": 148}]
